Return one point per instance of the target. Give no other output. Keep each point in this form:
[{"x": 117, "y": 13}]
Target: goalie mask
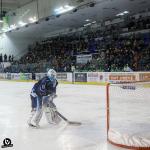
[{"x": 51, "y": 73}]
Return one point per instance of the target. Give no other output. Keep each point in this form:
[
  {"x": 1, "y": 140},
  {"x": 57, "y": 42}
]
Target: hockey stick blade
[
  {"x": 74, "y": 123},
  {"x": 69, "y": 122}
]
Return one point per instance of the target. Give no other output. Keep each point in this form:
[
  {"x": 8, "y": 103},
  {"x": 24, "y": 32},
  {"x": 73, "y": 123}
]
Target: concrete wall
[{"x": 16, "y": 45}]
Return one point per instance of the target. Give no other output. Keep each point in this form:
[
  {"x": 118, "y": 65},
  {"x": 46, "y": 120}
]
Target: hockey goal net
[{"x": 128, "y": 115}]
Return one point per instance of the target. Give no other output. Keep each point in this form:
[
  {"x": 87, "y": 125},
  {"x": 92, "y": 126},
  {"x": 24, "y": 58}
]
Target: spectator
[
  {"x": 127, "y": 68},
  {"x": 5, "y": 58},
  {"x": 1, "y": 58},
  {"x": 12, "y": 58},
  {"x": 9, "y": 58}
]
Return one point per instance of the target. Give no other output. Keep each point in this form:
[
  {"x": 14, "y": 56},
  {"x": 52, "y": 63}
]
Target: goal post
[{"x": 128, "y": 115}]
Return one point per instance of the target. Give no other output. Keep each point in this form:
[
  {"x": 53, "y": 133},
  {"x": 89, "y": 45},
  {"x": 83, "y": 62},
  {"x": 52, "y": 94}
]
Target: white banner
[
  {"x": 95, "y": 77},
  {"x": 83, "y": 59}
]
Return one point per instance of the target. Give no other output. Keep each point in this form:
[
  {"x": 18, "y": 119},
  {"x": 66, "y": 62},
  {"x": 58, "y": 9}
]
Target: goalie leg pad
[
  {"x": 39, "y": 116},
  {"x": 36, "y": 118},
  {"x": 31, "y": 117},
  {"x": 51, "y": 115},
  {"x": 38, "y": 113}
]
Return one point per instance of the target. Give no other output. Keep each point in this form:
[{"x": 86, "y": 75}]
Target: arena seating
[{"x": 112, "y": 50}]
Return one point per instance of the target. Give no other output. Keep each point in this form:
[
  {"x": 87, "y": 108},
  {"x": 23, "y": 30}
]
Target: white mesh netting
[{"x": 129, "y": 114}]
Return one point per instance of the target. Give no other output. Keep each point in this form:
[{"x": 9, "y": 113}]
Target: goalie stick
[
  {"x": 61, "y": 116},
  {"x": 69, "y": 122}
]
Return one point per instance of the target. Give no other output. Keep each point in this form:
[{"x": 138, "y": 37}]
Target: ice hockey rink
[{"x": 84, "y": 103}]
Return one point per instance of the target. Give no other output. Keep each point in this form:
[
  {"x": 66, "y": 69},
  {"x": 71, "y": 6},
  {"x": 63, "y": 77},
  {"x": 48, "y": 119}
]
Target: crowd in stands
[
  {"x": 112, "y": 50},
  {"x": 138, "y": 24},
  {"x": 122, "y": 51}
]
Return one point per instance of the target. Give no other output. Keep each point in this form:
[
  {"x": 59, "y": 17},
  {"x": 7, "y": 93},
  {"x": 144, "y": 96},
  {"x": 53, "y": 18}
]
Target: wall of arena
[
  {"x": 95, "y": 78},
  {"x": 15, "y": 44}
]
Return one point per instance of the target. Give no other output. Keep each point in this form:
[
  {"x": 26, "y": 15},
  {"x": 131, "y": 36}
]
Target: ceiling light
[
  {"x": 21, "y": 23},
  {"x": 126, "y": 12},
  {"x": 32, "y": 19},
  {"x": 94, "y": 22},
  {"x": 63, "y": 9},
  {"x": 87, "y": 20},
  {"x": 122, "y": 13},
  {"x": 88, "y": 24},
  {"x": 13, "y": 26}
]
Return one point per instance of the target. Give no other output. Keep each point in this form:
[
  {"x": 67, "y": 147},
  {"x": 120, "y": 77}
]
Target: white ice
[{"x": 84, "y": 103}]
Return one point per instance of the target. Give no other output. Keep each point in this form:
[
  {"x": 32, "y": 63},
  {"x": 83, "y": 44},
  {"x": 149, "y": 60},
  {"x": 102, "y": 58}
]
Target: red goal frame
[{"x": 108, "y": 124}]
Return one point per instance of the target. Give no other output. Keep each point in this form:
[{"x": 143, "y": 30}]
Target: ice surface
[{"x": 76, "y": 102}]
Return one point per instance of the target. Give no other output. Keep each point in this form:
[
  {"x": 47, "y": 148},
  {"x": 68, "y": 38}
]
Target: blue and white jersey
[{"x": 45, "y": 86}]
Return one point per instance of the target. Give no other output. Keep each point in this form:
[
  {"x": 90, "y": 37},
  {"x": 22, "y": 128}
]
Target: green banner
[{"x": 5, "y": 23}]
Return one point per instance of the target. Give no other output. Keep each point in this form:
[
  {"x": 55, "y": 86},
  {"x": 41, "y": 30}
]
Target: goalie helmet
[{"x": 51, "y": 73}]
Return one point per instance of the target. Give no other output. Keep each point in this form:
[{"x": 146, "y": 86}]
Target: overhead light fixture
[
  {"x": 87, "y": 20},
  {"x": 122, "y": 13},
  {"x": 126, "y": 12},
  {"x": 12, "y": 27},
  {"x": 88, "y": 24},
  {"x": 93, "y": 22},
  {"x": 63, "y": 9},
  {"x": 21, "y": 23},
  {"x": 32, "y": 19}
]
